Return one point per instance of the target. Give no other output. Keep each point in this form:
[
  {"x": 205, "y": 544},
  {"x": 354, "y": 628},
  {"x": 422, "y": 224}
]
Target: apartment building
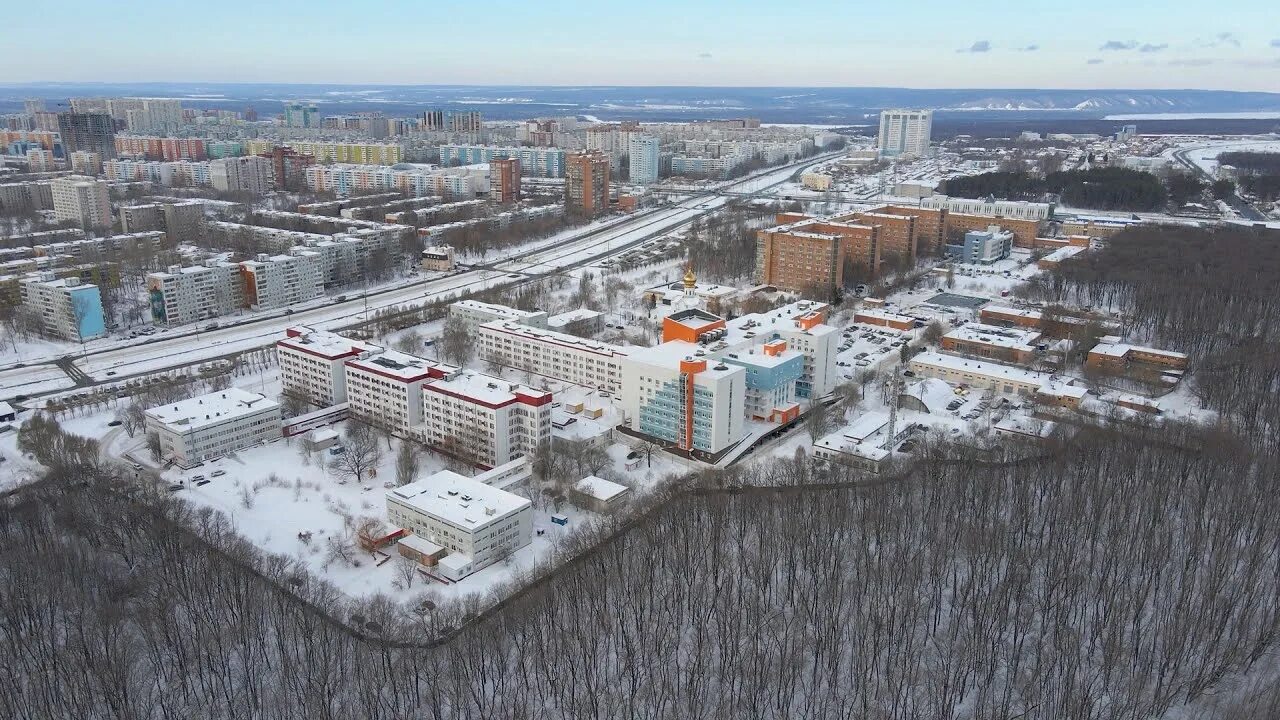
[
  {"x": 473, "y": 314},
  {"x": 26, "y": 196},
  {"x": 182, "y": 221},
  {"x": 553, "y": 354},
  {"x": 466, "y": 524},
  {"x": 993, "y": 342},
  {"x": 356, "y": 153},
  {"x": 454, "y": 183},
  {"x": 586, "y": 188},
  {"x": 905, "y": 132},
  {"x": 504, "y": 180},
  {"x": 84, "y": 162},
  {"x": 214, "y": 425},
  {"x": 534, "y": 161},
  {"x": 301, "y": 115},
  {"x": 276, "y": 281},
  {"x": 67, "y": 307},
  {"x": 169, "y": 149},
  {"x": 482, "y": 419},
  {"x": 180, "y": 172},
  {"x": 646, "y": 159},
  {"x": 313, "y": 364},
  {"x": 250, "y": 174},
  {"x": 88, "y": 131},
  {"x": 811, "y": 253},
  {"x": 40, "y": 160},
  {"x": 184, "y": 295},
  {"x": 82, "y": 200}
]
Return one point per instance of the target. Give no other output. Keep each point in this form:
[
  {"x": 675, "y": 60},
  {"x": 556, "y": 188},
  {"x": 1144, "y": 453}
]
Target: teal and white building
[{"x": 68, "y": 308}]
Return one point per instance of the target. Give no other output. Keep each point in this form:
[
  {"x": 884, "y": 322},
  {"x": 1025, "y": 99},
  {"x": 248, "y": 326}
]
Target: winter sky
[{"x": 1231, "y": 45}]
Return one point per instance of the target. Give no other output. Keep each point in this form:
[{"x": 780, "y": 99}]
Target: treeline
[
  {"x": 722, "y": 247},
  {"x": 1209, "y": 292},
  {"x": 1118, "y": 579},
  {"x": 1263, "y": 187},
  {"x": 1259, "y": 163},
  {"x": 1101, "y": 188}
]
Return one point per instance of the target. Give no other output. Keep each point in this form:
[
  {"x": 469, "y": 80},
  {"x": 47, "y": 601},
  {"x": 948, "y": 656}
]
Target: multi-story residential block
[
  {"x": 31, "y": 106},
  {"x": 534, "y": 161},
  {"x": 90, "y": 132},
  {"x": 190, "y": 294},
  {"x": 552, "y": 354},
  {"x": 586, "y": 188},
  {"x": 68, "y": 308},
  {"x": 905, "y": 132},
  {"x": 301, "y": 115},
  {"x": 211, "y": 426},
  {"x": 251, "y": 174},
  {"x": 313, "y": 364},
  {"x": 645, "y": 158},
  {"x": 433, "y": 121},
  {"x": 473, "y": 314},
  {"x": 468, "y": 524},
  {"x": 82, "y": 200},
  {"x": 169, "y": 149},
  {"x": 504, "y": 180},
  {"x": 466, "y": 122},
  {"x": 276, "y": 281},
  {"x": 84, "y": 162},
  {"x": 993, "y": 342},
  {"x": 20, "y": 196},
  {"x": 40, "y": 160},
  {"x": 455, "y": 183},
  {"x": 181, "y": 221}
]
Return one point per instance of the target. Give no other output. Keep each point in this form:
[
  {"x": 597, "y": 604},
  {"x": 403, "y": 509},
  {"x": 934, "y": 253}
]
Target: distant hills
[{"x": 812, "y": 105}]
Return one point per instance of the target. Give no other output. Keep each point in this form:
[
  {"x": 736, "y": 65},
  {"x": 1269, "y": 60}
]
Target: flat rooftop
[
  {"x": 552, "y": 337},
  {"x": 398, "y": 365},
  {"x": 1010, "y": 338},
  {"x": 212, "y": 409},
  {"x": 324, "y": 343},
  {"x": 980, "y": 367},
  {"x": 670, "y": 354},
  {"x": 458, "y": 500},
  {"x": 484, "y": 389},
  {"x": 968, "y": 302},
  {"x": 599, "y": 488},
  {"x": 1121, "y": 349}
]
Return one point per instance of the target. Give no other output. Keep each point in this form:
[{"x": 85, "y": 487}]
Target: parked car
[
  {"x": 863, "y": 363},
  {"x": 217, "y": 473},
  {"x": 114, "y": 423}
]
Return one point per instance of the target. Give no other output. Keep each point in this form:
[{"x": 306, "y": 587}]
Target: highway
[{"x": 129, "y": 361}]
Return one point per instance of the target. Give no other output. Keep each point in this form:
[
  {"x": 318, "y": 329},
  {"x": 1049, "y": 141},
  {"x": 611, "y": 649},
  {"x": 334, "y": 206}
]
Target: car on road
[
  {"x": 115, "y": 423},
  {"x": 514, "y": 275}
]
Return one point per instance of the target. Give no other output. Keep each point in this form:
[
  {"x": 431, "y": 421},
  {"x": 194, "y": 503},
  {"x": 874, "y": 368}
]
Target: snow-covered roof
[
  {"x": 1119, "y": 350},
  {"x": 484, "y": 389},
  {"x": 670, "y": 354},
  {"x": 6, "y": 408},
  {"x": 323, "y": 343},
  {"x": 212, "y": 409},
  {"x": 398, "y": 365},
  {"x": 553, "y": 337},
  {"x": 865, "y": 426},
  {"x": 457, "y": 500},
  {"x": 572, "y": 316},
  {"x": 1062, "y": 253},
  {"x": 420, "y": 544},
  {"x": 1010, "y": 338},
  {"x": 979, "y": 367},
  {"x": 599, "y": 488}
]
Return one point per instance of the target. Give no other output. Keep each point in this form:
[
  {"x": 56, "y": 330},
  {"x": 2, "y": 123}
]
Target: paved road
[
  {"x": 120, "y": 363},
  {"x": 1246, "y": 211}
]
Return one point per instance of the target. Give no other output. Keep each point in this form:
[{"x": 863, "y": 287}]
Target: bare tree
[
  {"x": 408, "y": 462},
  {"x": 361, "y": 453}
]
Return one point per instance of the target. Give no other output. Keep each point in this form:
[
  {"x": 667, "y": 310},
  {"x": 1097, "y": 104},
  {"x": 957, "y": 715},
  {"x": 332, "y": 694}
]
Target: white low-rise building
[
  {"x": 477, "y": 524},
  {"x": 980, "y": 374},
  {"x": 213, "y": 425}
]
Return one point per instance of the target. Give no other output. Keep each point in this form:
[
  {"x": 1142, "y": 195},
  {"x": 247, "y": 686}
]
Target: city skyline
[{"x": 810, "y": 44}]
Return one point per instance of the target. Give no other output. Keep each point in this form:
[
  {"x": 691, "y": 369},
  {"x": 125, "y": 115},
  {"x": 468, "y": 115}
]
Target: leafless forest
[{"x": 1118, "y": 577}]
